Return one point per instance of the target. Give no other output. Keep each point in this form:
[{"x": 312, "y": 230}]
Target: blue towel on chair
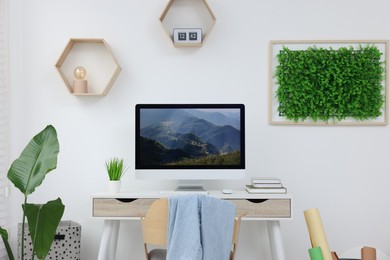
[
  {"x": 217, "y": 224},
  {"x": 199, "y": 228},
  {"x": 183, "y": 228}
]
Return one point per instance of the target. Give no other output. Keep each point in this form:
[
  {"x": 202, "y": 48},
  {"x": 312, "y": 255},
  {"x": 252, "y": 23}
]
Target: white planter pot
[{"x": 114, "y": 186}]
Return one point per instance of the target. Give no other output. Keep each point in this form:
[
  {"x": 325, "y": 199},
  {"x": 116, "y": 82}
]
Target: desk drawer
[
  {"x": 120, "y": 207},
  {"x": 133, "y": 207},
  {"x": 258, "y": 208}
]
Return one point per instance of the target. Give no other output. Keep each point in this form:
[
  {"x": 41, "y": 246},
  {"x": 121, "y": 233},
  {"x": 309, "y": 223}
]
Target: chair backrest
[
  {"x": 155, "y": 223},
  {"x": 236, "y": 231}
]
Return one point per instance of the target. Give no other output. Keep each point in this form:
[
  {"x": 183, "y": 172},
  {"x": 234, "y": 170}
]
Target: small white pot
[{"x": 114, "y": 186}]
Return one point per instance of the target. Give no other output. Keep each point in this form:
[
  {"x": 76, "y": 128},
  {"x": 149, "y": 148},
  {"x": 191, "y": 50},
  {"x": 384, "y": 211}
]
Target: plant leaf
[
  {"x": 37, "y": 159},
  {"x": 43, "y": 221},
  {"x": 4, "y": 236}
]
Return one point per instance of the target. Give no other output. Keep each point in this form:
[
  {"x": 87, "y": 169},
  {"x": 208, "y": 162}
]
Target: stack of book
[{"x": 266, "y": 185}]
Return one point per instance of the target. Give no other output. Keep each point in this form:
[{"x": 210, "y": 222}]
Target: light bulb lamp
[{"x": 80, "y": 84}]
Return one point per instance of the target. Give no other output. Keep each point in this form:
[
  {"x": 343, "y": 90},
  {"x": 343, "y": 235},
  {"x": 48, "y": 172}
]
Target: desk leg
[
  {"x": 114, "y": 239},
  {"x": 108, "y": 240},
  {"x": 275, "y": 239}
]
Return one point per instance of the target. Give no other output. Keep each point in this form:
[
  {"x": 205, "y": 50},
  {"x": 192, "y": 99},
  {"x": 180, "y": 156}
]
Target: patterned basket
[{"x": 66, "y": 244}]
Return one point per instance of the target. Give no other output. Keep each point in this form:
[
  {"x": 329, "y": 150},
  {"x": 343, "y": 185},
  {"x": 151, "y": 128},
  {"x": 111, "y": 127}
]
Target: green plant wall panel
[{"x": 330, "y": 82}]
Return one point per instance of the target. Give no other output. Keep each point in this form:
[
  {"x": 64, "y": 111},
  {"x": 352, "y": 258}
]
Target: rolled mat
[
  {"x": 316, "y": 232},
  {"x": 316, "y": 253}
]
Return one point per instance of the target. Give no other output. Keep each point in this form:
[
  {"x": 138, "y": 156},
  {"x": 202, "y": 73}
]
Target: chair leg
[
  {"x": 233, "y": 252},
  {"x": 146, "y": 252}
]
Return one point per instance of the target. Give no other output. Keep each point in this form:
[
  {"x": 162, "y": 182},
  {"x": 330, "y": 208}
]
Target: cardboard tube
[
  {"x": 334, "y": 256},
  {"x": 316, "y": 253},
  {"x": 316, "y": 232},
  {"x": 368, "y": 253}
]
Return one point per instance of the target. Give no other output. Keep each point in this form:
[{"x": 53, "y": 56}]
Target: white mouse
[{"x": 227, "y": 191}]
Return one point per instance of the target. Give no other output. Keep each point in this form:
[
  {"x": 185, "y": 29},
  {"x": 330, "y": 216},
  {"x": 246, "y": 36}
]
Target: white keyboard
[{"x": 182, "y": 192}]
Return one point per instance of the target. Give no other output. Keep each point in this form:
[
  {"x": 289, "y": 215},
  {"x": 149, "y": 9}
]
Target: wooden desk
[{"x": 132, "y": 206}]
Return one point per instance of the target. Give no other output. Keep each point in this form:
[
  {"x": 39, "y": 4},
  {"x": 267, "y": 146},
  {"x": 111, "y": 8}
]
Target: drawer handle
[
  {"x": 126, "y": 200},
  {"x": 256, "y": 200}
]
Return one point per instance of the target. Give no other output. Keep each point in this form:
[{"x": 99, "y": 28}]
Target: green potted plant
[
  {"x": 27, "y": 172},
  {"x": 116, "y": 168}
]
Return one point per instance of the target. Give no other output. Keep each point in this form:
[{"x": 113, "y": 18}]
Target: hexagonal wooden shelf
[
  {"x": 195, "y": 5},
  {"x": 96, "y": 56}
]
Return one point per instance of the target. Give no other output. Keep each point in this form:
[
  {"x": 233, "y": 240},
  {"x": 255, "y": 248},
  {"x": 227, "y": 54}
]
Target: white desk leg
[
  {"x": 108, "y": 240},
  {"x": 105, "y": 240},
  {"x": 275, "y": 239},
  {"x": 114, "y": 239}
]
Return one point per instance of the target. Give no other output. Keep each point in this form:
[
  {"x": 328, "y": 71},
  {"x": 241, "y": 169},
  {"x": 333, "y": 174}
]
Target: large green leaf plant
[{"x": 27, "y": 172}]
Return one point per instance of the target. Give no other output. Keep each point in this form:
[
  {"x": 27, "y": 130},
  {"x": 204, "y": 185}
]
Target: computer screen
[{"x": 190, "y": 141}]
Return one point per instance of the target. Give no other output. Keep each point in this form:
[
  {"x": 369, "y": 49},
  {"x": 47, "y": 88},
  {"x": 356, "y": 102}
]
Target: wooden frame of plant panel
[{"x": 340, "y": 82}]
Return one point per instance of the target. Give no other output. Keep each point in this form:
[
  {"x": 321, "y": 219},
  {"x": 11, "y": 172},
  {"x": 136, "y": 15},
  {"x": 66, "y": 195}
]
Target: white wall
[{"x": 341, "y": 170}]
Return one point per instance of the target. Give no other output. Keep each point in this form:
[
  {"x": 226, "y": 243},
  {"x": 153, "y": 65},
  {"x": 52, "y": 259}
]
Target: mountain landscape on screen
[{"x": 190, "y": 137}]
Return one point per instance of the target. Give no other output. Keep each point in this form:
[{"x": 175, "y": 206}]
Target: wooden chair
[
  {"x": 236, "y": 231},
  {"x": 155, "y": 230}
]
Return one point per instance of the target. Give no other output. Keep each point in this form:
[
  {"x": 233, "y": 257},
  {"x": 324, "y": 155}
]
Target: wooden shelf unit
[
  {"x": 109, "y": 58},
  {"x": 204, "y": 36}
]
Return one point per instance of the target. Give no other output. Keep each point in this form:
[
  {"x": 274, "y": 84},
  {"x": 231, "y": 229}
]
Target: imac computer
[{"x": 190, "y": 141}]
